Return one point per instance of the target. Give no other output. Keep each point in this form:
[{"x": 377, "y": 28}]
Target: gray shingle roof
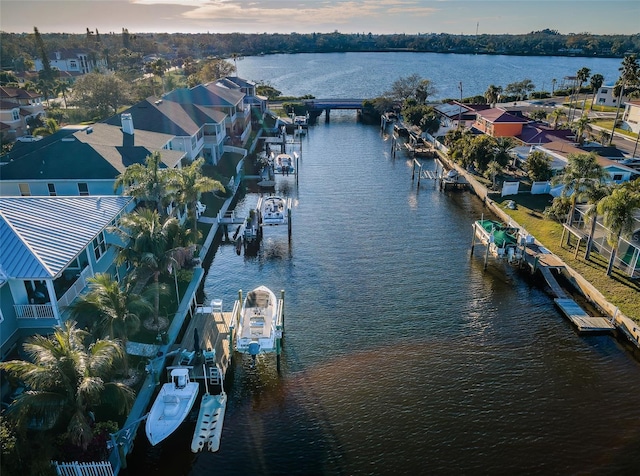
[
  {"x": 103, "y": 153},
  {"x": 40, "y": 236}
]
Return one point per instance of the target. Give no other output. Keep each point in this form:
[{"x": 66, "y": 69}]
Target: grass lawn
[{"x": 617, "y": 289}]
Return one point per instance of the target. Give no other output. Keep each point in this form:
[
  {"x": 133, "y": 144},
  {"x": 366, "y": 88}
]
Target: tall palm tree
[
  {"x": 148, "y": 182},
  {"x": 555, "y": 116},
  {"x": 62, "y": 87},
  {"x": 189, "y": 184},
  {"x": 492, "y": 94},
  {"x": 582, "y": 75},
  {"x": 580, "y": 126},
  {"x": 629, "y": 74},
  {"x": 66, "y": 379},
  {"x": 618, "y": 216},
  {"x": 581, "y": 174},
  {"x": 115, "y": 309},
  {"x": 152, "y": 245},
  {"x": 594, "y": 195},
  {"x": 597, "y": 80}
]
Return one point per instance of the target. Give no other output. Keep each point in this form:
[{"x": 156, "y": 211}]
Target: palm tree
[
  {"x": 555, "y": 116},
  {"x": 148, "y": 182},
  {"x": 189, "y": 184},
  {"x": 581, "y": 174},
  {"x": 580, "y": 126},
  {"x": 493, "y": 169},
  {"x": 66, "y": 380},
  {"x": 630, "y": 73},
  {"x": 62, "y": 87},
  {"x": 504, "y": 145},
  {"x": 618, "y": 216},
  {"x": 492, "y": 94},
  {"x": 582, "y": 75},
  {"x": 115, "y": 309},
  {"x": 596, "y": 81},
  {"x": 152, "y": 245},
  {"x": 603, "y": 137},
  {"x": 594, "y": 196}
]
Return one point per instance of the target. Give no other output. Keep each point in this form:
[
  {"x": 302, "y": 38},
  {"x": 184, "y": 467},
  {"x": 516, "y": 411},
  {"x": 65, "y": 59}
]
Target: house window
[
  {"x": 604, "y": 91},
  {"x": 617, "y": 177},
  {"x": 73, "y": 64},
  {"x": 83, "y": 188},
  {"x": 52, "y": 189},
  {"x": 99, "y": 246},
  {"x": 25, "y": 191},
  {"x": 16, "y": 114},
  {"x": 601, "y": 101}
]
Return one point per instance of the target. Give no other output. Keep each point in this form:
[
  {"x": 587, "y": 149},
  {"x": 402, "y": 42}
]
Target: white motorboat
[
  {"x": 283, "y": 164},
  {"x": 274, "y": 211},
  {"x": 259, "y": 324},
  {"x": 172, "y": 405}
]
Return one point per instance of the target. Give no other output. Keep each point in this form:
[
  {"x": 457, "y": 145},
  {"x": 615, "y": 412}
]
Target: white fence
[
  {"x": 102, "y": 468},
  {"x": 538, "y": 188}
]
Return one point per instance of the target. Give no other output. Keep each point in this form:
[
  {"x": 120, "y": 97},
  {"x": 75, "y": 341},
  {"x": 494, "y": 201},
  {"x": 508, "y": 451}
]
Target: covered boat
[{"x": 274, "y": 211}]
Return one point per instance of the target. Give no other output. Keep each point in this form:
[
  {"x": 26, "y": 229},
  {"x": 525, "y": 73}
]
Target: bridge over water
[{"x": 317, "y": 106}]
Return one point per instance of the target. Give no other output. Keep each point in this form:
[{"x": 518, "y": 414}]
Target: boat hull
[
  {"x": 169, "y": 410},
  {"x": 257, "y": 328},
  {"x": 210, "y": 420}
]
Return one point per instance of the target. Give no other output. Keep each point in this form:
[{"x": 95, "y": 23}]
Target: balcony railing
[{"x": 34, "y": 311}]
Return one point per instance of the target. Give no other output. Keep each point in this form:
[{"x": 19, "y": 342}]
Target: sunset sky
[{"x": 303, "y": 16}]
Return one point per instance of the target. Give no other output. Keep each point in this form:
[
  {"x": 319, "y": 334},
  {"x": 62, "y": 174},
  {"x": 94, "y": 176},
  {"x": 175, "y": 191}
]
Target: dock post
[
  {"x": 289, "y": 223},
  {"x": 297, "y": 167},
  {"x": 419, "y": 174},
  {"x": 473, "y": 239},
  {"x": 486, "y": 254},
  {"x": 281, "y": 329}
]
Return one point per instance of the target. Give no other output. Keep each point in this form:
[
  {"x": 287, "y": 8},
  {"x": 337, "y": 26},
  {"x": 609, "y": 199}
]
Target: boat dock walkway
[
  {"x": 539, "y": 258},
  {"x": 212, "y": 327}
]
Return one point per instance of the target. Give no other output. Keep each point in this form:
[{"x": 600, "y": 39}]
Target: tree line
[{"x": 17, "y": 50}]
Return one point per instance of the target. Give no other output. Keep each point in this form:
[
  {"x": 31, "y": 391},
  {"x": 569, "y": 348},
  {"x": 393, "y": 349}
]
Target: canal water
[{"x": 402, "y": 355}]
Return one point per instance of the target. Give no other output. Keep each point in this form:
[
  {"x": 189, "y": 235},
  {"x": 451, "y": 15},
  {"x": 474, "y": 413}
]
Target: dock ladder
[{"x": 215, "y": 377}]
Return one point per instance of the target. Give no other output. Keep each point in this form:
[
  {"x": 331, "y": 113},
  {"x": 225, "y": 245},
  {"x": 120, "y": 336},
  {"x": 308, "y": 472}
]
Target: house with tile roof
[
  {"x": 497, "y": 122},
  {"x": 50, "y": 247},
  {"x": 17, "y": 106},
  {"x": 81, "y": 160},
  {"x": 76, "y": 61}
]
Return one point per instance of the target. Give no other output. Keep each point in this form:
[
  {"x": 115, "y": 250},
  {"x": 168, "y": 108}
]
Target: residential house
[
  {"x": 197, "y": 130},
  {"x": 606, "y": 97},
  {"x": 454, "y": 114},
  {"x": 559, "y": 152},
  {"x": 258, "y": 104},
  {"x": 497, "y": 122},
  {"x": 76, "y": 61},
  {"x": 631, "y": 116},
  {"x": 17, "y": 107},
  {"x": 228, "y": 101},
  {"x": 50, "y": 247},
  {"x": 83, "y": 160}
]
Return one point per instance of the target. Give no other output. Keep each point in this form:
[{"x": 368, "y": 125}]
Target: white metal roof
[{"x": 41, "y": 236}]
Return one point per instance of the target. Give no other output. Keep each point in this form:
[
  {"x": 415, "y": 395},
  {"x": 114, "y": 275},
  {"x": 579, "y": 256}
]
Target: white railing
[
  {"x": 34, "y": 311},
  {"x": 75, "y": 289},
  {"x": 102, "y": 468}
]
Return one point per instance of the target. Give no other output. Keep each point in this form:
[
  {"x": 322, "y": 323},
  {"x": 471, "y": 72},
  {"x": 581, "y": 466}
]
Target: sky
[{"x": 305, "y": 16}]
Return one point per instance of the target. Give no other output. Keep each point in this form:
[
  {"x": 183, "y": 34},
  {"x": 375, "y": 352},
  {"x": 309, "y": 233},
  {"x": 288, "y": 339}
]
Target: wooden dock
[
  {"x": 213, "y": 332},
  {"x": 583, "y": 321}
]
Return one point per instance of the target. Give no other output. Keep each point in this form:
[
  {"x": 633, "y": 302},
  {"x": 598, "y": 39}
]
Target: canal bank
[{"x": 628, "y": 327}]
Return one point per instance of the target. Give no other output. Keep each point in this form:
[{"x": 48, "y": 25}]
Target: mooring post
[
  {"x": 289, "y": 222},
  {"x": 419, "y": 174},
  {"x": 297, "y": 167},
  {"x": 486, "y": 253},
  {"x": 473, "y": 239},
  {"x": 280, "y": 328}
]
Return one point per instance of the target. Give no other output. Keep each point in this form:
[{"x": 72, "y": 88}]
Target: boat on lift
[
  {"x": 273, "y": 211},
  {"x": 259, "y": 324}
]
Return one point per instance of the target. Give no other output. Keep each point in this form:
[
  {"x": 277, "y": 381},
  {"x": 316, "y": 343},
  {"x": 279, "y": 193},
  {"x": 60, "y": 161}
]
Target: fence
[{"x": 102, "y": 468}]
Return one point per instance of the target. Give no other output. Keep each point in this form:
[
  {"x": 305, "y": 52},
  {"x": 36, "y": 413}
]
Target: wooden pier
[
  {"x": 583, "y": 321},
  {"x": 214, "y": 351}
]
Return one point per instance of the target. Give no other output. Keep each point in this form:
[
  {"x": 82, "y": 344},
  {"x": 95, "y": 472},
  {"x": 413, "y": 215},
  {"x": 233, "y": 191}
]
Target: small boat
[
  {"x": 259, "y": 325},
  {"x": 283, "y": 164},
  {"x": 274, "y": 211},
  {"x": 171, "y": 406}
]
